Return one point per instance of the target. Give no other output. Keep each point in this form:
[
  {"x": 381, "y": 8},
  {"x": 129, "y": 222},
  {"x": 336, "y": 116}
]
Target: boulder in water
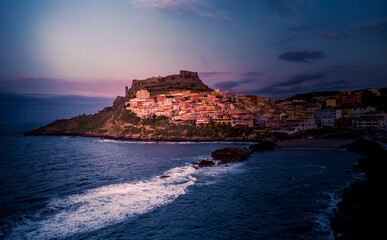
[
  {"x": 230, "y": 155},
  {"x": 206, "y": 163},
  {"x": 263, "y": 146}
]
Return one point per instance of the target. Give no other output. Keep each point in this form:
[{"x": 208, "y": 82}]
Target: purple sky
[{"x": 271, "y": 48}]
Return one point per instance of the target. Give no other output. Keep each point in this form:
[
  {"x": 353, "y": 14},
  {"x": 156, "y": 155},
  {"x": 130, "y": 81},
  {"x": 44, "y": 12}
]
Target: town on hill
[
  {"x": 346, "y": 110},
  {"x": 181, "y": 107}
]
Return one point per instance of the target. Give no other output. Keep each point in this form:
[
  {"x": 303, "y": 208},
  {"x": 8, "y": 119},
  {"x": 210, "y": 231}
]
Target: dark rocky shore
[
  {"x": 149, "y": 139},
  {"x": 234, "y": 155},
  {"x": 361, "y": 212}
]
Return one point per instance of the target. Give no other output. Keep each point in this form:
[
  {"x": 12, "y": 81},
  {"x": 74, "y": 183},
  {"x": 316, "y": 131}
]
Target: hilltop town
[
  {"x": 182, "y": 108},
  {"x": 344, "y": 110}
]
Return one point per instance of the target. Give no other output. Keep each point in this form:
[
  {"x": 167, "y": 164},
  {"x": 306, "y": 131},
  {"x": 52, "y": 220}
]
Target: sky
[{"x": 81, "y": 53}]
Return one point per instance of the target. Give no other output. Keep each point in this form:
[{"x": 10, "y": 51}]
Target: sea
[{"x": 60, "y": 187}]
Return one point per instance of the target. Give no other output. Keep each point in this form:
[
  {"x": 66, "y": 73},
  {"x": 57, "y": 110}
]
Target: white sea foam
[
  {"x": 223, "y": 169},
  {"x": 322, "y": 219},
  {"x": 119, "y": 141},
  {"x": 104, "y": 206},
  {"x": 172, "y": 143}
]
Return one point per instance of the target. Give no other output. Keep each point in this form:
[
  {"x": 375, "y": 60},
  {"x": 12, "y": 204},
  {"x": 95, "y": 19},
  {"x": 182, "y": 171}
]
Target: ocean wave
[
  {"x": 104, "y": 206},
  {"x": 171, "y": 143},
  {"x": 107, "y": 205},
  {"x": 322, "y": 220}
]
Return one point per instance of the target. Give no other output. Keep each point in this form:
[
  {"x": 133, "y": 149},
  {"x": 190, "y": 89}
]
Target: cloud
[
  {"x": 213, "y": 73},
  {"x": 44, "y": 85},
  {"x": 289, "y": 6},
  {"x": 372, "y": 26},
  {"x": 299, "y": 79},
  {"x": 165, "y": 4},
  {"x": 302, "y": 56},
  {"x": 194, "y": 7},
  {"x": 291, "y": 86},
  {"x": 330, "y": 35},
  {"x": 25, "y": 108},
  {"x": 226, "y": 84},
  {"x": 277, "y": 92},
  {"x": 252, "y": 74}
]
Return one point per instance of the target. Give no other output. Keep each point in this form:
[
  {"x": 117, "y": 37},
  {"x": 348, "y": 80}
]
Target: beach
[{"x": 315, "y": 143}]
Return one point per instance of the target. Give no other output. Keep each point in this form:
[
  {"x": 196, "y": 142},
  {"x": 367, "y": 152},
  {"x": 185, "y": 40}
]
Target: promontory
[{"x": 176, "y": 107}]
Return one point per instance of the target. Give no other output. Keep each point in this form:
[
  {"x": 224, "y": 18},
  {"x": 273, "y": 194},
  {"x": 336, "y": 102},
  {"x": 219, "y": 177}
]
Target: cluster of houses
[{"x": 277, "y": 115}]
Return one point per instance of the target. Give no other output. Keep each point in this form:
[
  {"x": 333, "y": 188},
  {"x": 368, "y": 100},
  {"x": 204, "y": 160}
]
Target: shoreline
[
  {"x": 161, "y": 139},
  {"x": 357, "y": 214},
  {"x": 293, "y": 143}
]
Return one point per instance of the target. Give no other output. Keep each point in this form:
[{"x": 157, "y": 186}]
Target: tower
[{"x": 126, "y": 92}]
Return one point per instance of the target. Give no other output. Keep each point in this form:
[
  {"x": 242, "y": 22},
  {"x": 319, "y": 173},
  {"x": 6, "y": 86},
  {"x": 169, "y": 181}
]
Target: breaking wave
[
  {"x": 173, "y": 143},
  {"x": 104, "y": 206}
]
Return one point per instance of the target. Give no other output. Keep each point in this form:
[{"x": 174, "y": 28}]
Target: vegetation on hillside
[{"x": 120, "y": 122}]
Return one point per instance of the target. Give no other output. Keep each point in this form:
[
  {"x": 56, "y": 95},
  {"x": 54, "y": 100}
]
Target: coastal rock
[
  {"x": 263, "y": 146},
  {"x": 186, "y": 80},
  {"x": 230, "y": 155},
  {"x": 206, "y": 163}
]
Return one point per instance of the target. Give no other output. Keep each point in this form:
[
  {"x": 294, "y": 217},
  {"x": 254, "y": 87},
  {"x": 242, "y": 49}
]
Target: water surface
[{"x": 87, "y": 188}]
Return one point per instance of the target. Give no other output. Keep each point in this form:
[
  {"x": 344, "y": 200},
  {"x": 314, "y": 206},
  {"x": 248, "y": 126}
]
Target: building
[
  {"x": 222, "y": 119},
  {"x": 350, "y": 98},
  {"x": 356, "y": 112},
  {"x": 242, "y": 121},
  {"x": 202, "y": 121},
  {"x": 370, "y": 121},
  {"x": 330, "y": 102},
  {"x": 326, "y": 117},
  {"x": 344, "y": 123},
  {"x": 143, "y": 94}
]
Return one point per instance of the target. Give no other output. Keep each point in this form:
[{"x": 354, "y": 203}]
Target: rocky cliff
[
  {"x": 186, "y": 80},
  {"x": 118, "y": 123}
]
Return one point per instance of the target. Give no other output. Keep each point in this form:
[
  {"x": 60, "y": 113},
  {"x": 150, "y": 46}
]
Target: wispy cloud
[
  {"x": 374, "y": 26},
  {"x": 230, "y": 85},
  {"x": 330, "y": 35},
  {"x": 165, "y": 4},
  {"x": 226, "y": 85},
  {"x": 211, "y": 73},
  {"x": 299, "y": 79},
  {"x": 198, "y": 8},
  {"x": 45, "y": 85},
  {"x": 301, "y": 84},
  {"x": 289, "y": 6},
  {"x": 302, "y": 56},
  {"x": 46, "y": 107},
  {"x": 285, "y": 93},
  {"x": 252, "y": 74}
]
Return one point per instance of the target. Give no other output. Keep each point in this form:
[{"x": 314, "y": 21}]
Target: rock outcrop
[
  {"x": 230, "y": 155},
  {"x": 186, "y": 80},
  {"x": 263, "y": 146},
  {"x": 206, "y": 163}
]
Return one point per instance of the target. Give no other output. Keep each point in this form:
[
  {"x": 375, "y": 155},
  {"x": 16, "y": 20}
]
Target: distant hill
[
  {"x": 309, "y": 96},
  {"x": 186, "y": 80}
]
